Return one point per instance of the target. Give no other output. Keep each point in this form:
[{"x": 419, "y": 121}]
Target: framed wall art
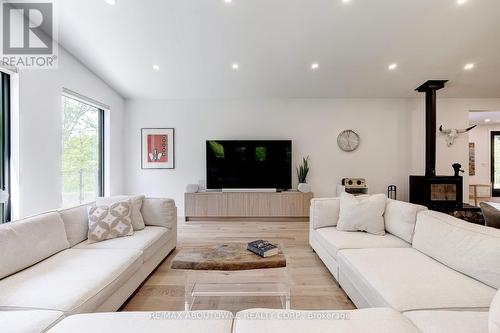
[
  {"x": 157, "y": 148},
  {"x": 472, "y": 159}
]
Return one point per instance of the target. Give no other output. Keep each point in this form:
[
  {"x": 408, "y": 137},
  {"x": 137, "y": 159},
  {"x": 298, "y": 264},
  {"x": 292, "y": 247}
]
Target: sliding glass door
[
  {"x": 5, "y": 205},
  {"x": 495, "y": 163}
]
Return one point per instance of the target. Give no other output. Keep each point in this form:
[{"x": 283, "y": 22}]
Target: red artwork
[{"x": 157, "y": 148}]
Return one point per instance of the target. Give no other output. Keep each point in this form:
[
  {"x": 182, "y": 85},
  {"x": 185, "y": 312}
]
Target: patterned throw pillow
[
  {"x": 106, "y": 222},
  {"x": 136, "y": 216}
]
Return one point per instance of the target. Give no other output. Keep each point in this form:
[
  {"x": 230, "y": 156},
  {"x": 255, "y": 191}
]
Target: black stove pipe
[{"x": 430, "y": 87}]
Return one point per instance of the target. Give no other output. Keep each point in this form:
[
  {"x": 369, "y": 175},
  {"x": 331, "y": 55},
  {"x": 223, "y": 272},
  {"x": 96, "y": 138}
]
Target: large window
[
  {"x": 82, "y": 158},
  {"x": 4, "y": 148},
  {"x": 495, "y": 163}
]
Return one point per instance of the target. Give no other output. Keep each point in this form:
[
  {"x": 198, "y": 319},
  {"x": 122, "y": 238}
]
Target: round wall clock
[{"x": 348, "y": 140}]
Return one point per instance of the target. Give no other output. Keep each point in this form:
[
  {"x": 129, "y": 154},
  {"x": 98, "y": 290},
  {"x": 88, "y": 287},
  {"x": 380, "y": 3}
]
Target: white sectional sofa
[
  {"x": 376, "y": 320},
  {"x": 48, "y": 271},
  {"x": 430, "y": 273},
  {"x": 327, "y": 241},
  {"x": 249, "y": 321},
  {"x": 440, "y": 272}
]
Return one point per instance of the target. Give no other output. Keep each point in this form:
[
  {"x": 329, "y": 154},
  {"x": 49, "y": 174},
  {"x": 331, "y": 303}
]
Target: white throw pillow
[
  {"x": 365, "y": 214},
  {"x": 400, "y": 218},
  {"x": 494, "y": 316},
  {"x": 160, "y": 212},
  {"x": 137, "y": 219},
  {"x": 107, "y": 222}
]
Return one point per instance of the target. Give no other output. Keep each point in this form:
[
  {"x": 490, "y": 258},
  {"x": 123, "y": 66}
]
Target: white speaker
[
  {"x": 192, "y": 188},
  {"x": 304, "y": 188}
]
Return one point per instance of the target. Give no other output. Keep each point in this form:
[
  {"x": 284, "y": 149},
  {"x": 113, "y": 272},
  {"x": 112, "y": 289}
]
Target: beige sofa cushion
[
  {"x": 71, "y": 281},
  {"x": 334, "y": 240},
  {"x": 159, "y": 212},
  {"x": 150, "y": 322},
  {"x": 24, "y": 243},
  {"x": 324, "y": 212},
  {"x": 357, "y": 321},
  {"x": 407, "y": 280},
  {"x": 400, "y": 218},
  {"x": 149, "y": 241},
  {"x": 494, "y": 316},
  {"x": 449, "y": 321},
  {"x": 28, "y": 321},
  {"x": 136, "y": 216},
  {"x": 76, "y": 223},
  {"x": 471, "y": 249}
]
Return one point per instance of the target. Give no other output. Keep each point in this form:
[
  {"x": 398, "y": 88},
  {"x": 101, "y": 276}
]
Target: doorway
[{"x": 495, "y": 163}]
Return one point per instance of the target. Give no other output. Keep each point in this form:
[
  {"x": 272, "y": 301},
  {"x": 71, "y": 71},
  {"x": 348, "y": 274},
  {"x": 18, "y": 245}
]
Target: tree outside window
[{"x": 82, "y": 151}]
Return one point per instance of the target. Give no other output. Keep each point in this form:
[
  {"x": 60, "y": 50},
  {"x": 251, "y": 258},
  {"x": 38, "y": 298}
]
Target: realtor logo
[{"x": 28, "y": 34}]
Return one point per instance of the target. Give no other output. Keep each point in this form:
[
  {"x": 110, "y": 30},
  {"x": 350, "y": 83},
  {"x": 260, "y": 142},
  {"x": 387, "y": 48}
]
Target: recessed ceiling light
[
  {"x": 461, "y": 2},
  {"x": 392, "y": 66},
  {"x": 111, "y": 2},
  {"x": 156, "y": 67},
  {"x": 470, "y": 66},
  {"x": 487, "y": 120},
  {"x": 235, "y": 66},
  {"x": 346, "y": 1},
  {"x": 314, "y": 66},
  {"x": 228, "y": 1}
]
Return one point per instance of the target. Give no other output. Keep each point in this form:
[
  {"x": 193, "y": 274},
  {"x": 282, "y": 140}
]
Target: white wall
[
  {"x": 40, "y": 117},
  {"x": 392, "y": 133},
  {"x": 451, "y": 113},
  {"x": 383, "y": 157}
]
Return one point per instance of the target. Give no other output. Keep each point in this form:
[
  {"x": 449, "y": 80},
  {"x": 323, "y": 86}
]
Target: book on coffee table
[{"x": 263, "y": 248}]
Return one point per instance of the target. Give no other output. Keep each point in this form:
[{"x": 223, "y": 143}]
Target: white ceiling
[{"x": 275, "y": 41}]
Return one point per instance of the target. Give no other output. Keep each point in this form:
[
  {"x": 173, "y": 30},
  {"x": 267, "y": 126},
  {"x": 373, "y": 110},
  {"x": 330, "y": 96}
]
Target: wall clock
[{"x": 348, "y": 140}]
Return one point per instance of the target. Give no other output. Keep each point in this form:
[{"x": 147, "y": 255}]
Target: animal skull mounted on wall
[{"x": 452, "y": 134}]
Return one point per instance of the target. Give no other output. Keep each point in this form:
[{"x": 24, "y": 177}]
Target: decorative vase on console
[{"x": 302, "y": 172}]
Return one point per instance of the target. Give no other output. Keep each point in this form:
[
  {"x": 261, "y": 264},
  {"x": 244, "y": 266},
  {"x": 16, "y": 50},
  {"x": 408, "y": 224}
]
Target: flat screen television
[{"x": 249, "y": 164}]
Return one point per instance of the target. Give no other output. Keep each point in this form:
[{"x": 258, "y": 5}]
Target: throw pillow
[
  {"x": 494, "y": 315},
  {"x": 400, "y": 218},
  {"x": 113, "y": 221},
  {"x": 160, "y": 212},
  {"x": 364, "y": 214},
  {"x": 136, "y": 215},
  {"x": 491, "y": 214}
]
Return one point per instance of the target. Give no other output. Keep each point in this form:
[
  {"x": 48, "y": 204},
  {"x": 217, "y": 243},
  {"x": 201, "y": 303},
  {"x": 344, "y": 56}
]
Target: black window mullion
[
  {"x": 494, "y": 191},
  {"x": 5, "y": 211},
  {"x": 101, "y": 152}
]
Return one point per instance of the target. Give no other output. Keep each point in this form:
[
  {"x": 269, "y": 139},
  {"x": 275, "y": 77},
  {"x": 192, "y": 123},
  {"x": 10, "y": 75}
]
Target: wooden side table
[{"x": 474, "y": 192}]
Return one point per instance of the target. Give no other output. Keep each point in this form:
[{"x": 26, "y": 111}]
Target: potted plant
[{"x": 302, "y": 172}]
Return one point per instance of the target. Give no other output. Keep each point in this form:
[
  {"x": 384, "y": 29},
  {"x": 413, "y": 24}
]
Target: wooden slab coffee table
[
  {"x": 225, "y": 257},
  {"x": 220, "y": 271}
]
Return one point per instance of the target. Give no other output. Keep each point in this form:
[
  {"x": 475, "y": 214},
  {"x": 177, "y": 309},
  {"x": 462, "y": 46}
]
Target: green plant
[{"x": 303, "y": 170}]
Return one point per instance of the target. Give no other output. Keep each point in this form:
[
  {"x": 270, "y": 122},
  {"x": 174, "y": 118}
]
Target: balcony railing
[{"x": 80, "y": 186}]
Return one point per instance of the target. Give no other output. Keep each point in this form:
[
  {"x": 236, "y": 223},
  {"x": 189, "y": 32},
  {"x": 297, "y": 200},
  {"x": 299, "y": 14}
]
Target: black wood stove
[{"x": 442, "y": 193}]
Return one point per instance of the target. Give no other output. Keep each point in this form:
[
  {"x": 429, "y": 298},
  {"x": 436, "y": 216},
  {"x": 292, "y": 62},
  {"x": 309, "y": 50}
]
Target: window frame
[
  {"x": 102, "y": 159},
  {"x": 494, "y": 192},
  {"x": 101, "y": 132},
  {"x": 5, "y": 172}
]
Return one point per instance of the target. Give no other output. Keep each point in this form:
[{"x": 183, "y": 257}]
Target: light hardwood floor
[{"x": 312, "y": 286}]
